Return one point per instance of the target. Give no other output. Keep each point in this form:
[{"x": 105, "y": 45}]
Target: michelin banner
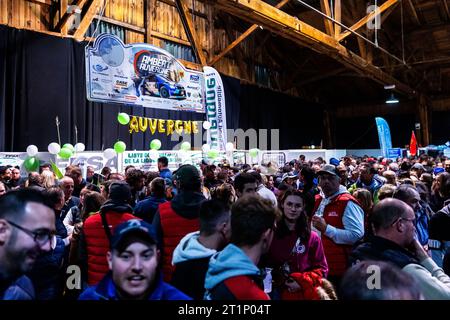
[
  {"x": 384, "y": 136},
  {"x": 141, "y": 74},
  {"x": 215, "y": 109}
]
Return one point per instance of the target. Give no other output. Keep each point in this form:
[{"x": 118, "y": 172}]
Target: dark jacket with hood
[
  {"x": 173, "y": 221},
  {"x": 106, "y": 290},
  {"x": 94, "y": 239},
  {"x": 191, "y": 261}
]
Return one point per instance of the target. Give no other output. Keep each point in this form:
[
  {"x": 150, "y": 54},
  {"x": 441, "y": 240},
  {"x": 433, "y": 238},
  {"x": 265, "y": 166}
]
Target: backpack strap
[{"x": 105, "y": 226}]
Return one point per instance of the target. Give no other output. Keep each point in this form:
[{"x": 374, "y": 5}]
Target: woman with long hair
[{"x": 296, "y": 254}]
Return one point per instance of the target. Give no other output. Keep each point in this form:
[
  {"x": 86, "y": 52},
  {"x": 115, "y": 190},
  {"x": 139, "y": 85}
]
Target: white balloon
[
  {"x": 153, "y": 154},
  {"x": 109, "y": 153},
  {"x": 229, "y": 146},
  {"x": 206, "y": 148},
  {"x": 79, "y": 147},
  {"x": 32, "y": 150},
  {"x": 54, "y": 148},
  {"x": 206, "y": 125}
]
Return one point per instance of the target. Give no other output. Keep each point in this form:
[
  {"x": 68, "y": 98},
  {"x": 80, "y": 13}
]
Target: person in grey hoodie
[
  {"x": 233, "y": 273},
  {"x": 191, "y": 256}
]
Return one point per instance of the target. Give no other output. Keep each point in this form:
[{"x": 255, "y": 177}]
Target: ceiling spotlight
[
  {"x": 389, "y": 87},
  {"x": 392, "y": 99}
]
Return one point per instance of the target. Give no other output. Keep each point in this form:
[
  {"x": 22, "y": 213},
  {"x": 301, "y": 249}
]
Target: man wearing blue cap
[{"x": 134, "y": 267}]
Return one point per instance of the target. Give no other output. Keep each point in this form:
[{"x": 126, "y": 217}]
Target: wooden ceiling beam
[
  {"x": 362, "y": 22},
  {"x": 86, "y": 21},
  {"x": 337, "y": 17},
  {"x": 289, "y": 27},
  {"x": 63, "y": 23},
  {"x": 329, "y": 28},
  {"x": 446, "y": 8},
  {"x": 190, "y": 31},
  {"x": 242, "y": 37},
  {"x": 413, "y": 12},
  {"x": 42, "y": 2}
]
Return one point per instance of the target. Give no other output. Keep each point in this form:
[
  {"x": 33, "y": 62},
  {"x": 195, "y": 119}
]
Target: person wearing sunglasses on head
[{"x": 27, "y": 226}]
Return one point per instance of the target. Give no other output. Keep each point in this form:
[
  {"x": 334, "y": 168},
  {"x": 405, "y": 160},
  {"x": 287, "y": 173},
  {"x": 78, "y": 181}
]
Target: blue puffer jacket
[{"x": 106, "y": 290}]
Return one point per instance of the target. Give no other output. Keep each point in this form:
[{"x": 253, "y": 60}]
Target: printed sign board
[{"x": 141, "y": 74}]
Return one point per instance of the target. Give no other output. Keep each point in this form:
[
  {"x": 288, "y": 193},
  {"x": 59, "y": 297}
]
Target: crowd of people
[{"x": 352, "y": 228}]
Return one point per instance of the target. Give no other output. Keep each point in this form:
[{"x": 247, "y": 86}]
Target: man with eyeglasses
[
  {"x": 409, "y": 195},
  {"x": 394, "y": 241},
  {"x": 27, "y": 226}
]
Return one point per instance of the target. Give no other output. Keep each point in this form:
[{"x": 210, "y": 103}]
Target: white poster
[{"x": 215, "y": 109}]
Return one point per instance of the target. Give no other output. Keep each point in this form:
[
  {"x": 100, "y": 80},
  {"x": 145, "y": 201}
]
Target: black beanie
[{"x": 119, "y": 191}]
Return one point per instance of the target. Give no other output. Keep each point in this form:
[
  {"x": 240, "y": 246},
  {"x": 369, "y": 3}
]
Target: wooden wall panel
[
  {"x": 133, "y": 37},
  {"x": 4, "y": 11}
]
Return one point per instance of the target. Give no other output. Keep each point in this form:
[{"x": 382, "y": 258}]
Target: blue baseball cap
[
  {"x": 438, "y": 170},
  {"x": 136, "y": 227},
  {"x": 334, "y": 162}
]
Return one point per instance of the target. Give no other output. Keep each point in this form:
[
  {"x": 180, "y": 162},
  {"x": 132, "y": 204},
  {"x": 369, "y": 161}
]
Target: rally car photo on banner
[{"x": 141, "y": 74}]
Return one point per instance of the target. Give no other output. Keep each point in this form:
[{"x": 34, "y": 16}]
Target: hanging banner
[
  {"x": 168, "y": 126},
  {"x": 141, "y": 74},
  {"x": 215, "y": 109},
  {"x": 384, "y": 136}
]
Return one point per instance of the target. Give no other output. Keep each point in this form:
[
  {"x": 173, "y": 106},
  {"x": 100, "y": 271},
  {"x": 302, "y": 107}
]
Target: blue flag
[{"x": 384, "y": 135}]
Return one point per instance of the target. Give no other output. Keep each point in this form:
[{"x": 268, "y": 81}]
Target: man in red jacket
[
  {"x": 339, "y": 219},
  {"x": 177, "y": 218},
  {"x": 97, "y": 231}
]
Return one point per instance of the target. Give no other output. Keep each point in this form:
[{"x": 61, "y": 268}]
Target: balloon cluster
[{"x": 119, "y": 147}]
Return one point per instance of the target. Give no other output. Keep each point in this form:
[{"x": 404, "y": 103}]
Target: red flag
[{"x": 413, "y": 145}]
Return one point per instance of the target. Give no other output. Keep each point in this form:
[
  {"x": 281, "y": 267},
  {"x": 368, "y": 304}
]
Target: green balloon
[
  {"x": 123, "y": 118},
  {"x": 186, "y": 146},
  {"x": 253, "y": 153},
  {"x": 65, "y": 153},
  {"x": 155, "y": 144},
  {"x": 69, "y": 146},
  {"x": 213, "y": 154},
  {"x": 31, "y": 164},
  {"x": 120, "y": 146}
]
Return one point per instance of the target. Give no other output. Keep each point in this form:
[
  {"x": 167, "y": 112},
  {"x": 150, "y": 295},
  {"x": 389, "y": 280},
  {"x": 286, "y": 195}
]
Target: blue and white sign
[
  {"x": 141, "y": 74},
  {"x": 384, "y": 135},
  {"x": 394, "y": 153},
  {"x": 215, "y": 109}
]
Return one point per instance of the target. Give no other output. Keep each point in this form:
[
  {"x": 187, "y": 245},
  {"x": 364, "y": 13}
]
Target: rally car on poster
[{"x": 158, "y": 85}]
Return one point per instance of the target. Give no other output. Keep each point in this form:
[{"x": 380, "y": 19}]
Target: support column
[
  {"x": 423, "y": 112},
  {"x": 328, "y": 141}
]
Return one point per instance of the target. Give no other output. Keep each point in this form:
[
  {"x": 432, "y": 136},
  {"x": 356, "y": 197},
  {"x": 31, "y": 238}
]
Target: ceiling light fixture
[{"x": 392, "y": 99}]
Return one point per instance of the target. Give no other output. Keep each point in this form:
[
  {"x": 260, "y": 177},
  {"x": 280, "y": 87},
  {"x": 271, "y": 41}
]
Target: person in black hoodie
[
  {"x": 191, "y": 256},
  {"x": 176, "y": 218}
]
